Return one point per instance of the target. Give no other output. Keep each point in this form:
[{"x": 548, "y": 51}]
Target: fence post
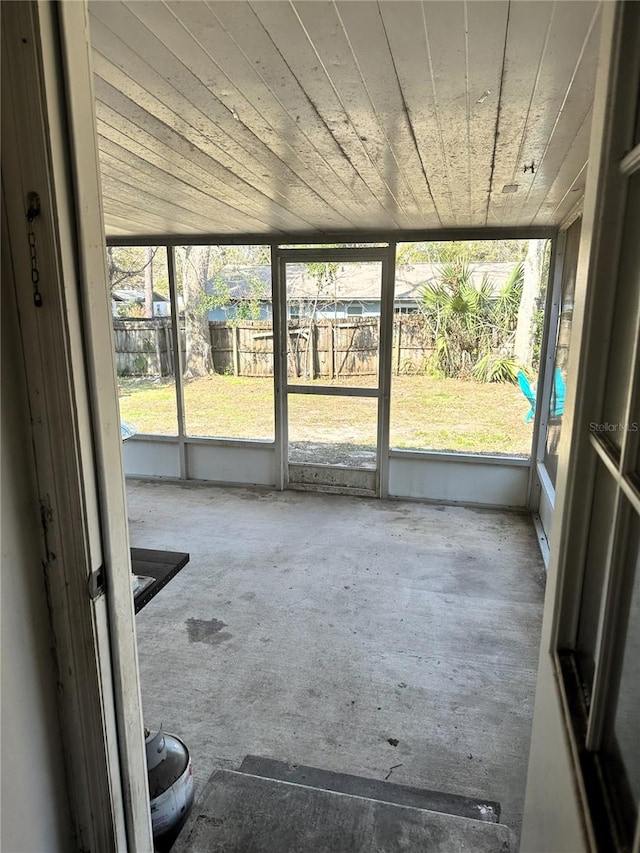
[
  {"x": 158, "y": 351},
  {"x": 314, "y": 351},
  {"x": 235, "y": 342},
  {"x": 168, "y": 341},
  {"x": 399, "y": 353},
  {"x": 330, "y": 356}
]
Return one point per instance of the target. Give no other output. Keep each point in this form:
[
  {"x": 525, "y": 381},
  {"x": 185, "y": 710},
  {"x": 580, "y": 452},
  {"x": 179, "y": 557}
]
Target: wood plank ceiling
[{"x": 315, "y": 118}]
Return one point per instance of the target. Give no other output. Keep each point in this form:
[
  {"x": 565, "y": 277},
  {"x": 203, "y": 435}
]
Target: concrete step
[
  {"x": 373, "y": 789},
  {"x": 241, "y": 813}
]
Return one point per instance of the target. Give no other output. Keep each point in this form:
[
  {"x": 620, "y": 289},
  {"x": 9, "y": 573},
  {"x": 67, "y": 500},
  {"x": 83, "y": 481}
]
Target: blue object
[
  {"x": 127, "y": 430},
  {"x": 557, "y": 394},
  {"x": 529, "y": 393}
]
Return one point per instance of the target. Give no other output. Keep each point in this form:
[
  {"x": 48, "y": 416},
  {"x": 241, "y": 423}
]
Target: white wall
[{"x": 35, "y": 810}]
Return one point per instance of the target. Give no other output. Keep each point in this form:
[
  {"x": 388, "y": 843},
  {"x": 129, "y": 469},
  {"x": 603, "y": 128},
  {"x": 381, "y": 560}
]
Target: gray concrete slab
[
  {"x": 316, "y": 629},
  {"x": 251, "y": 814},
  {"x": 372, "y": 789}
]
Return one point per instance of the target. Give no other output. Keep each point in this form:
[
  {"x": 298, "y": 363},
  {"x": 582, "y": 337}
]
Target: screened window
[
  {"x": 143, "y": 339},
  {"x": 601, "y": 661},
  {"x": 565, "y": 320},
  {"x": 467, "y": 332},
  {"x": 226, "y": 313}
]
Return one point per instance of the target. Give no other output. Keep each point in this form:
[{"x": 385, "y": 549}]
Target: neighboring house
[
  {"x": 354, "y": 291},
  {"x": 123, "y": 300}
]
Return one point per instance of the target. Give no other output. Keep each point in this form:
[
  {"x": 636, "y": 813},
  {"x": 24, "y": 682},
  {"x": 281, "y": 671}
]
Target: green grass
[{"x": 428, "y": 414}]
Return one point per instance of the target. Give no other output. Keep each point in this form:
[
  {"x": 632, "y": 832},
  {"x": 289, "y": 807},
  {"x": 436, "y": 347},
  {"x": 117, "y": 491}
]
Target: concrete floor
[{"x": 321, "y": 629}]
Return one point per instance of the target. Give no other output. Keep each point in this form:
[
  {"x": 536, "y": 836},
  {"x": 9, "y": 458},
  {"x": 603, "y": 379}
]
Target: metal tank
[{"x": 170, "y": 783}]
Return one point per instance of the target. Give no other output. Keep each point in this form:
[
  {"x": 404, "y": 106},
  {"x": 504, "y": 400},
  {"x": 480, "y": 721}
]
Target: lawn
[{"x": 433, "y": 414}]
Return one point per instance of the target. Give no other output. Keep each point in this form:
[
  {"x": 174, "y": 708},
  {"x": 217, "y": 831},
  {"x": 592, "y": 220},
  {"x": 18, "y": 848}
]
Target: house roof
[
  {"x": 136, "y": 296},
  {"x": 239, "y": 118},
  {"x": 360, "y": 282}
]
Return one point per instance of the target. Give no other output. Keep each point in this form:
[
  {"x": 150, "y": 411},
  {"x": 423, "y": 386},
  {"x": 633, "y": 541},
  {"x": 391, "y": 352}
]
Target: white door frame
[
  {"x": 557, "y": 814},
  {"x": 49, "y": 148},
  {"x": 385, "y": 256}
]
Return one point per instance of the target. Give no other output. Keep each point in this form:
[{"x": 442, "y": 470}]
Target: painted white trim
[
  {"x": 630, "y": 164},
  {"x": 543, "y": 540},
  {"x": 98, "y": 330},
  {"x": 400, "y": 236},
  {"x": 598, "y": 261},
  {"x": 385, "y": 366},
  {"x": 247, "y": 444},
  {"x": 328, "y": 255},
  {"x": 280, "y": 367},
  {"x": 545, "y": 373},
  {"x": 333, "y": 390},
  {"x": 178, "y": 365},
  {"x": 549, "y": 340},
  {"x": 467, "y": 458},
  {"x": 555, "y": 782},
  {"x": 35, "y": 158}
]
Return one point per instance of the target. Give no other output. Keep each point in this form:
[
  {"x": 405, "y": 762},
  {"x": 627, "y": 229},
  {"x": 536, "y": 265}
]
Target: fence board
[{"x": 320, "y": 350}]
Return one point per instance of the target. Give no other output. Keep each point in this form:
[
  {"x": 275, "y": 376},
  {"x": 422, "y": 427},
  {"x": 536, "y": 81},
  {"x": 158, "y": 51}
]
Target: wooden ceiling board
[
  {"x": 171, "y": 174},
  {"x": 197, "y": 41},
  {"x": 219, "y": 216},
  {"x": 179, "y": 166},
  {"x": 569, "y": 181},
  {"x": 123, "y": 213},
  {"x": 166, "y": 90},
  {"x": 149, "y": 199},
  {"x": 570, "y": 114},
  {"x": 444, "y": 34},
  {"x": 571, "y": 198},
  {"x": 285, "y": 28},
  {"x": 374, "y": 65},
  {"x": 405, "y": 27},
  {"x": 317, "y": 117},
  {"x": 329, "y": 39},
  {"x": 245, "y": 29},
  {"x": 259, "y": 100},
  {"x": 558, "y": 95},
  {"x": 486, "y": 30},
  {"x": 150, "y": 133},
  {"x": 523, "y": 60}
]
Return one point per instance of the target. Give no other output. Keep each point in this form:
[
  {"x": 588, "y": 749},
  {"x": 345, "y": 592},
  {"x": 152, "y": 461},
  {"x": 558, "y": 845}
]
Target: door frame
[
  {"x": 385, "y": 256},
  {"x": 557, "y": 814},
  {"x": 50, "y": 149}
]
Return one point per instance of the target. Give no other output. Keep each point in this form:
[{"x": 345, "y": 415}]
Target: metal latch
[{"x": 96, "y": 583}]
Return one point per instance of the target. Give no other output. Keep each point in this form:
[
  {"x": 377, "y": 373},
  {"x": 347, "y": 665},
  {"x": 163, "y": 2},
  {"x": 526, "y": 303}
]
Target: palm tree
[{"x": 473, "y": 327}]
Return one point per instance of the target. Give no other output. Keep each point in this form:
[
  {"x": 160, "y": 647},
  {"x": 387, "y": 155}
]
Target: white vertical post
[
  {"x": 280, "y": 342},
  {"x": 178, "y": 373},
  {"x": 98, "y": 333},
  {"x": 546, "y": 369},
  {"x": 385, "y": 361}
]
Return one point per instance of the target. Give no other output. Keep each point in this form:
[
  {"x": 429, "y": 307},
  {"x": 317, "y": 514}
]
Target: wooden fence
[
  {"x": 326, "y": 349},
  {"x": 143, "y": 347}
]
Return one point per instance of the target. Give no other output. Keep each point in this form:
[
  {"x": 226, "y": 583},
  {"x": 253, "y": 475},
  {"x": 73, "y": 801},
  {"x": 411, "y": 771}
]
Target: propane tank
[{"x": 170, "y": 782}]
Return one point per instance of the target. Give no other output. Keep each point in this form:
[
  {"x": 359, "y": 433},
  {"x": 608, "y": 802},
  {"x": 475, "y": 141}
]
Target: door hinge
[{"x": 96, "y": 583}]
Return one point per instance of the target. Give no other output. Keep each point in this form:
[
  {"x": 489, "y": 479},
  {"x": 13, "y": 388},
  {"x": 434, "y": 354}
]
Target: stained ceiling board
[{"x": 321, "y": 118}]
